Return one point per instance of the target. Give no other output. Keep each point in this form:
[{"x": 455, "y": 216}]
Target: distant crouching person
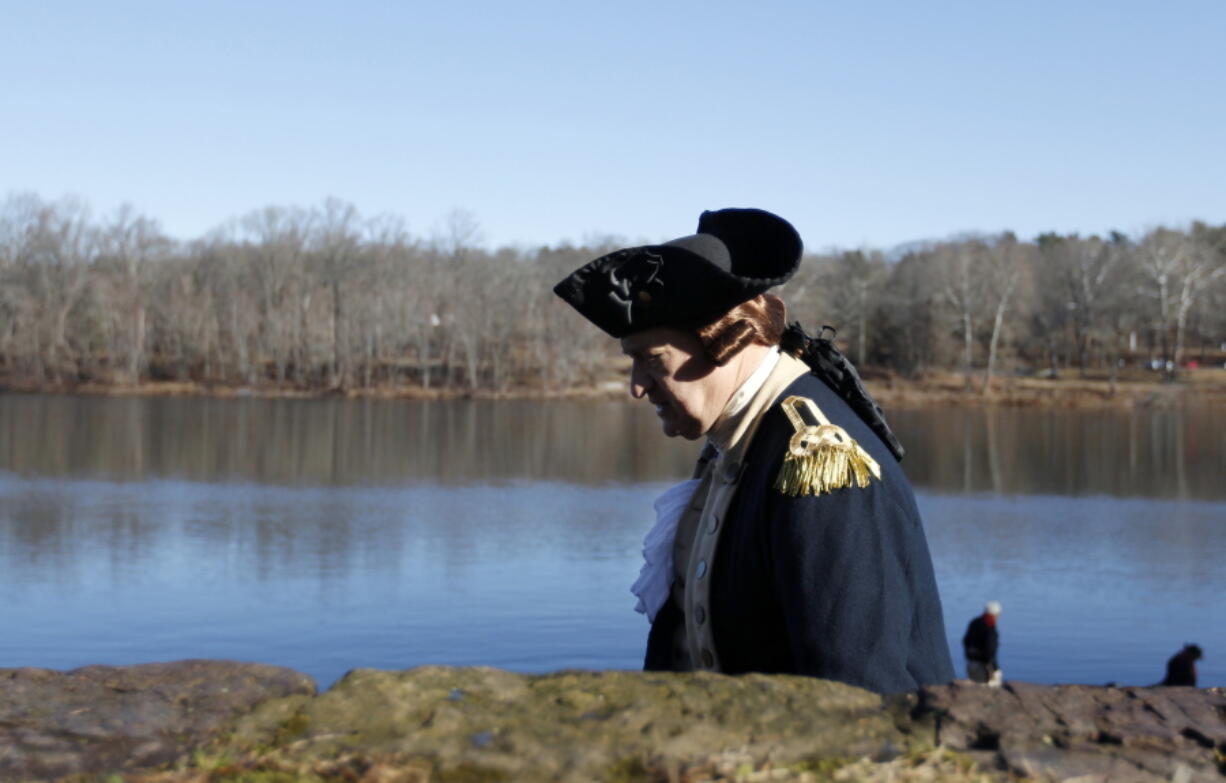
[
  {"x": 1181, "y": 668},
  {"x": 980, "y": 643}
]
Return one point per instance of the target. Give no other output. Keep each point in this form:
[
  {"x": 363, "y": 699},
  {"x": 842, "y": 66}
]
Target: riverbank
[
  {"x": 214, "y": 721},
  {"x": 1203, "y": 387}
]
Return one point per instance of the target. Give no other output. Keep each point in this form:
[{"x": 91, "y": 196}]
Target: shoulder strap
[{"x": 836, "y": 371}]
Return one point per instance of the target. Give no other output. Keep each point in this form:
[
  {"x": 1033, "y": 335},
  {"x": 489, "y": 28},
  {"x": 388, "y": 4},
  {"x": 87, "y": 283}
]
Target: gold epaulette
[{"x": 821, "y": 457}]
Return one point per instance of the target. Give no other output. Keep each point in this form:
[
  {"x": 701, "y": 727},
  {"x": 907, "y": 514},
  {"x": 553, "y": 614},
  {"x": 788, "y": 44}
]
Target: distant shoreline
[{"x": 1199, "y": 388}]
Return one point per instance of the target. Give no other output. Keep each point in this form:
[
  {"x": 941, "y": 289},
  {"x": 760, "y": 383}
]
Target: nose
[{"x": 640, "y": 383}]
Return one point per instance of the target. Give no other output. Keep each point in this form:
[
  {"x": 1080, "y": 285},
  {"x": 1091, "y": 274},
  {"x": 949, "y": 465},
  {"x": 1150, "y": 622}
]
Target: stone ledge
[
  {"x": 121, "y": 718},
  {"x": 218, "y": 721},
  {"x": 1079, "y": 731}
]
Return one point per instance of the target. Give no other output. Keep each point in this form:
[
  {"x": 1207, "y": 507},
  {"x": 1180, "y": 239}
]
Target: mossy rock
[{"x": 481, "y": 723}]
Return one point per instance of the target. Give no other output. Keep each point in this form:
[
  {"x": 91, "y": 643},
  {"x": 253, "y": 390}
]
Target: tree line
[{"x": 324, "y": 298}]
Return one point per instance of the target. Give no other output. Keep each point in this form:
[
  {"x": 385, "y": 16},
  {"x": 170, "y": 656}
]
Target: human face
[{"x": 671, "y": 370}]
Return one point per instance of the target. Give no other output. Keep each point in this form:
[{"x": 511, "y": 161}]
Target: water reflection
[
  {"x": 1167, "y": 454},
  {"x": 1170, "y": 454},
  {"x": 528, "y": 576},
  {"x": 332, "y": 442},
  {"x": 329, "y": 534},
  {"x": 534, "y": 576}
]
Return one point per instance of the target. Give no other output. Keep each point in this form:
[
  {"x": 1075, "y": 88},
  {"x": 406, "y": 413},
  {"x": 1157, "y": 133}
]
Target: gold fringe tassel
[
  {"x": 823, "y": 457},
  {"x": 825, "y": 470}
]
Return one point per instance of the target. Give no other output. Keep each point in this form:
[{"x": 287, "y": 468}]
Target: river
[{"x": 331, "y": 534}]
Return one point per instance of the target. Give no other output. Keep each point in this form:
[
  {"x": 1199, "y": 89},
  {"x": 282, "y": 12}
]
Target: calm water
[{"x": 330, "y": 534}]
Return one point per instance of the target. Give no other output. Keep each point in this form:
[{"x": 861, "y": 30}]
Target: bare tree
[
  {"x": 51, "y": 247},
  {"x": 961, "y": 290},
  {"x": 1204, "y": 265},
  {"x": 1005, "y": 263},
  {"x": 128, "y": 245},
  {"x": 323, "y": 298},
  {"x": 336, "y": 253},
  {"x": 1176, "y": 270},
  {"x": 1083, "y": 276},
  {"x": 849, "y": 283},
  {"x": 275, "y": 244}
]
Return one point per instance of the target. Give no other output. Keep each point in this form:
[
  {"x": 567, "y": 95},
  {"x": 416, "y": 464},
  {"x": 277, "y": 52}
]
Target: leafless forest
[{"x": 324, "y": 298}]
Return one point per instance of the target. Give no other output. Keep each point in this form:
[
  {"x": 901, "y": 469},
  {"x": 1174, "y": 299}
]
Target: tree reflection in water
[{"x": 328, "y": 534}]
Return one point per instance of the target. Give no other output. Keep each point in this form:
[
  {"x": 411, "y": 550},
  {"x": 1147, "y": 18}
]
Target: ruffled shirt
[{"x": 656, "y": 575}]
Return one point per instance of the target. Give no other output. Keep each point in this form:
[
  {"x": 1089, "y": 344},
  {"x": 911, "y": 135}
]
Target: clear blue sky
[{"x": 865, "y": 123}]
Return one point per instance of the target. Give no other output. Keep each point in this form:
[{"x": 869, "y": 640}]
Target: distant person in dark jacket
[
  {"x": 980, "y": 644},
  {"x": 1181, "y": 668}
]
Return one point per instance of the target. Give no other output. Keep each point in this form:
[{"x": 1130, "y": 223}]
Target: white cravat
[{"x": 656, "y": 576}]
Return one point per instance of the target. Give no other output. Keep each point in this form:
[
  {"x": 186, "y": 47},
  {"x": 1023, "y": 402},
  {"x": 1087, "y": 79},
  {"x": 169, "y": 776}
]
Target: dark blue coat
[{"x": 838, "y": 586}]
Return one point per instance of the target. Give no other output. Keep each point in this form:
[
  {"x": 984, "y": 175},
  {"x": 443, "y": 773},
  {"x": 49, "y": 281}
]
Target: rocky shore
[{"x": 227, "y": 721}]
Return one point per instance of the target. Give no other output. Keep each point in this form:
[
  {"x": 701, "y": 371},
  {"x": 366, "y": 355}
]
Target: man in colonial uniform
[{"x": 797, "y": 547}]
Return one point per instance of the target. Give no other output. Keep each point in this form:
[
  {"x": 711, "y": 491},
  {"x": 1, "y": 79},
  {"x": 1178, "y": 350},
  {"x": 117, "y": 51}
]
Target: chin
[
  {"x": 675, "y": 425},
  {"x": 687, "y": 433}
]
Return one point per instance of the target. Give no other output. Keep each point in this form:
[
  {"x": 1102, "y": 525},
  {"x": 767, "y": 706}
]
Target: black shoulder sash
[{"x": 836, "y": 371}]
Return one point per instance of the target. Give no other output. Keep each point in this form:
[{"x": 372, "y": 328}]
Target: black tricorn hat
[{"x": 736, "y": 255}]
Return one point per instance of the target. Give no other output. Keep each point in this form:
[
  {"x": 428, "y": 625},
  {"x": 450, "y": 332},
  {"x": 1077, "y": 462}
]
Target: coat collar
[{"x": 733, "y": 429}]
